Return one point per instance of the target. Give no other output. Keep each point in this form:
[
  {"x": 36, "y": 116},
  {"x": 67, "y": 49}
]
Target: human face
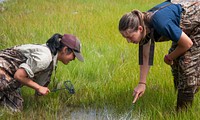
[
  {"x": 133, "y": 36},
  {"x": 65, "y": 57}
]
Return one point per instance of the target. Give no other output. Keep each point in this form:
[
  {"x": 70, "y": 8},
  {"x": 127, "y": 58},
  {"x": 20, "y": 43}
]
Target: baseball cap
[{"x": 74, "y": 43}]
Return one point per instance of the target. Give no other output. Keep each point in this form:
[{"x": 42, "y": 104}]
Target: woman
[
  {"x": 168, "y": 21},
  {"x": 32, "y": 65}
]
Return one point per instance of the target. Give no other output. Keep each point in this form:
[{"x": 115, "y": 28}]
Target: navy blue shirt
[{"x": 166, "y": 21}]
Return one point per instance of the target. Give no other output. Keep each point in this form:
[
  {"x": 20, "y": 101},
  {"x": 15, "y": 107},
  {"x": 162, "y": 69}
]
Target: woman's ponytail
[
  {"x": 54, "y": 43},
  {"x": 131, "y": 20}
]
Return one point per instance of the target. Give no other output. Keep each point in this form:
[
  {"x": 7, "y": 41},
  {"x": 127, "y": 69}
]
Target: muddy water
[
  {"x": 93, "y": 114},
  {"x": 86, "y": 114}
]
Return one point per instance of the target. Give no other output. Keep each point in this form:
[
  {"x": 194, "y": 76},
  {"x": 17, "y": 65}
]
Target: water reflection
[
  {"x": 86, "y": 114},
  {"x": 93, "y": 114}
]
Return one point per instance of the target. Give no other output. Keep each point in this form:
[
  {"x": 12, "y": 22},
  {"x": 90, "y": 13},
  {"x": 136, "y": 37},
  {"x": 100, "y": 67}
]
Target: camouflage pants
[
  {"x": 186, "y": 68},
  {"x": 9, "y": 93}
]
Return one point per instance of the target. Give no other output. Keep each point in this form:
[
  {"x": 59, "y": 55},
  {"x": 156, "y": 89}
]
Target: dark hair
[
  {"x": 134, "y": 19},
  {"x": 131, "y": 20},
  {"x": 54, "y": 43}
]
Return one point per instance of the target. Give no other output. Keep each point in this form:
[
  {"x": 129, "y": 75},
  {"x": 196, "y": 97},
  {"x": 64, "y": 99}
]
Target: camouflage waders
[
  {"x": 10, "y": 60},
  {"x": 186, "y": 68},
  {"x": 10, "y": 96}
]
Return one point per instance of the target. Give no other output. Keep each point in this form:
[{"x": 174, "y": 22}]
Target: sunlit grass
[{"x": 110, "y": 72}]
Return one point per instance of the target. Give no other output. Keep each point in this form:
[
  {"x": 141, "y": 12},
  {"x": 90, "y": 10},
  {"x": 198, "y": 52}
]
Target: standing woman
[
  {"x": 32, "y": 65},
  {"x": 179, "y": 23}
]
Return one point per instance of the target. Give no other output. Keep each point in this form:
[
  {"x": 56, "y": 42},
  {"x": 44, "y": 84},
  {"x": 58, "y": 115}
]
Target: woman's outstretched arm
[{"x": 22, "y": 77}]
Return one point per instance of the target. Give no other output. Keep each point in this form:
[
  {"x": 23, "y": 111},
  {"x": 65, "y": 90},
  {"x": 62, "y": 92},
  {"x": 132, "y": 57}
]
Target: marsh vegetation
[{"x": 105, "y": 81}]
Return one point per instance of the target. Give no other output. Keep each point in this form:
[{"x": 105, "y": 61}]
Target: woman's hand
[
  {"x": 168, "y": 60},
  {"x": 139, "y": 91},
  {"x": 43, "y": 90},
  {"x": 184, "y": 44}
]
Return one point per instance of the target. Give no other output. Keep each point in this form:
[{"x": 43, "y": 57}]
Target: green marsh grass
[{"x": 105, "y": 81}]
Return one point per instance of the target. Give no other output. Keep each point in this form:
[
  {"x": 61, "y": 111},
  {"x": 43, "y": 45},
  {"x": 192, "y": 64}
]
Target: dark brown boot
[{"x": 184, "y": 100}]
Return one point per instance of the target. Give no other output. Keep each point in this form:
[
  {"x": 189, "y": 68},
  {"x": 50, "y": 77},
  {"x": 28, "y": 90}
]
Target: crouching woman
[{"x": 32, "y": 65}]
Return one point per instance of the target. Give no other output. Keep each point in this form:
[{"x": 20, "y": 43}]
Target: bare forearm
[
  {"x": 184, "y": 44},
  {"x": 177, "y": 52},
  {"x": 30, "y": 83},
  {"x": 144, "y": 69},
  {"x": 22, "y": 77}
]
